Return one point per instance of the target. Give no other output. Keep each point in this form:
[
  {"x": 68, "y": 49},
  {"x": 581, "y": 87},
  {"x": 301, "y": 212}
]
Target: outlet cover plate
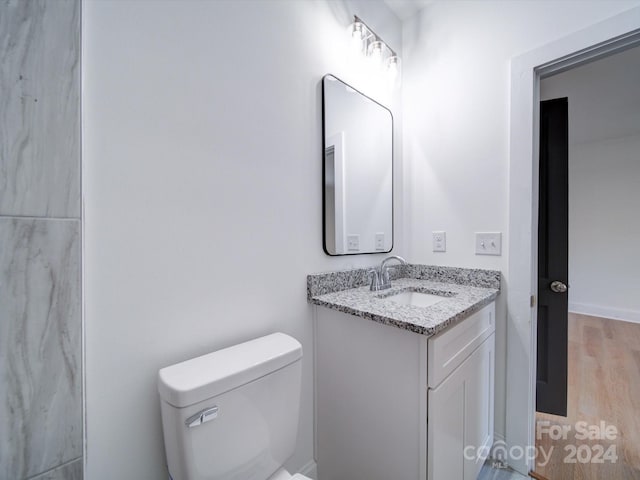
[
  {"x": 439, "y": 241},
  {"x": 353, "y": 242}
]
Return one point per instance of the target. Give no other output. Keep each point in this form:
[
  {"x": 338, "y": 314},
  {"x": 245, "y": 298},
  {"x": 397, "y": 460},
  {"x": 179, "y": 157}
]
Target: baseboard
[
  {"x": 310, "y": 470},
  {"x": 605, "y": 312}
]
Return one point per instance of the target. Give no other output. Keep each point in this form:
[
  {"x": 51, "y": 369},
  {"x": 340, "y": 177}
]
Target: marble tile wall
[
  {"x": 40, "y": 332},
  {"x": 69, "y": 471},
  {"x": 41, "y": 419},
  {"x": 39, "y": 108}
]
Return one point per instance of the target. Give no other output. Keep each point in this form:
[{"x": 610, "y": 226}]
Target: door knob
[{"x": 558, "y": 287}]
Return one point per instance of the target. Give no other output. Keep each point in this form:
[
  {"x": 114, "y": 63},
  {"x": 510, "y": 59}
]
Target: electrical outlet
[
  {"x": 380, "y": 241},
  {"x": 353, "y": 242},
  {"x": 439, "y": 241},
  {"x": 488, "y": 243}
]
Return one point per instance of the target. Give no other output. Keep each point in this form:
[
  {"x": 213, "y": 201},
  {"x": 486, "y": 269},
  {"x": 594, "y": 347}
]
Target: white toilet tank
[{"x": 232, "y": 414}]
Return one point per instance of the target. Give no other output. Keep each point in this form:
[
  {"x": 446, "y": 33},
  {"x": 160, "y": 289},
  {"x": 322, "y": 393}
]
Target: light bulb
[
  {"x": 375, "y": 50},
  {"x": 357, "y": 31},
  {"x": 393, "y": 66}
]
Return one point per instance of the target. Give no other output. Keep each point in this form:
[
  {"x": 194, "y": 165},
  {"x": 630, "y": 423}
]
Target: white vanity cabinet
[
  {"x": 394, "y": 404},
  {"x": 460, "y": 397}
]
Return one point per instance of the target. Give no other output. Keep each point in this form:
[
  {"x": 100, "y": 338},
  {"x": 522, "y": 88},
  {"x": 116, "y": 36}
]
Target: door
[{"x": 553, "y": 253}]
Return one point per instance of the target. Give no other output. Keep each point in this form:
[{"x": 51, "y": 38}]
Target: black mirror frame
[{"x": 324, "y": 169}]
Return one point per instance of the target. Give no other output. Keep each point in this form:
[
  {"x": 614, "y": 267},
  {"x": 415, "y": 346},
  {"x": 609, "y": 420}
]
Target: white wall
[
  {"x": 604, "y": 183},
  {"x": 604, "y": 228},
  {"x": 456, "y": 121},
  {"x": 202, "y": 170}
]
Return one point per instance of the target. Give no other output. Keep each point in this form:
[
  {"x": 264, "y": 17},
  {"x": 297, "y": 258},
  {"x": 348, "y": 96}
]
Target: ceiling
[{"x": 407, "y": 8}]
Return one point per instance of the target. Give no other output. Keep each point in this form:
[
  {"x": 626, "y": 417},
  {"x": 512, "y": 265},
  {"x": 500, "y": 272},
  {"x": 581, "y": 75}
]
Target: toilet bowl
[{"x": 233, "y": 414}]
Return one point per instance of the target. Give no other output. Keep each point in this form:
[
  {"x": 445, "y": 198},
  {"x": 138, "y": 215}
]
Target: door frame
[{"x": 613, "y": 35}]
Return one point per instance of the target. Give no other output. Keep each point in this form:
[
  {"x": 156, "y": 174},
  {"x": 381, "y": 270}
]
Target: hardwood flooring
[{"x": 603, "y": 386}]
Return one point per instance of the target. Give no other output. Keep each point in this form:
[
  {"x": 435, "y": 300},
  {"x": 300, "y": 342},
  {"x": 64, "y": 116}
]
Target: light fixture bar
[{"x": 376, "y": 37}]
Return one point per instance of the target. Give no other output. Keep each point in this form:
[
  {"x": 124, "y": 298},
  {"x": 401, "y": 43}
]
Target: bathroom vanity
[{"x": 404, "y": 376}]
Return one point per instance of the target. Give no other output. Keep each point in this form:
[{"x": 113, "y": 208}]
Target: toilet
[{"x": 233, "y": 414}]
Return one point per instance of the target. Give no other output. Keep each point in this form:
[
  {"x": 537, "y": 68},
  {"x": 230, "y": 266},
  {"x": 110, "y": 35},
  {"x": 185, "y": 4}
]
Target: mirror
[{"x": 358, "y": 171}]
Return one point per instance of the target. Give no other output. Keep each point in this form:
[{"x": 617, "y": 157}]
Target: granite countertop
[{"x": 465, "y": 291}]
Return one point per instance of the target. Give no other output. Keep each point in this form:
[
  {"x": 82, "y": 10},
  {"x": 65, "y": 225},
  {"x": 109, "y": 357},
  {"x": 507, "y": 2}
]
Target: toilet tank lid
[{"x": 204, "y": 377}]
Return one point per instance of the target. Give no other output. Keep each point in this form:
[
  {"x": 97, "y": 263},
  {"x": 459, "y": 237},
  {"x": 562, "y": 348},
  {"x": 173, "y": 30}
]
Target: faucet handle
[{"x": 375, "y": 280}]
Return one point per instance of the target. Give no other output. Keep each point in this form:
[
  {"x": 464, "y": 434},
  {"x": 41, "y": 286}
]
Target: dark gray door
[{"x": 553, "y": 253}]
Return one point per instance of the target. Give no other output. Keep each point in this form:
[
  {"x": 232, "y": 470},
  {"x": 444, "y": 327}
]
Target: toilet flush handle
[{"x": 202, "y": 416}]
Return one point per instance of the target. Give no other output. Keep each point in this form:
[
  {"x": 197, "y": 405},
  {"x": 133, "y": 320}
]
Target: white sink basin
[{"x": 417, "y": 299}]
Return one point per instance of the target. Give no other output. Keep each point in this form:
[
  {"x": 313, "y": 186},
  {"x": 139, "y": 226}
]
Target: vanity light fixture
[{"x": 369, "y": 43}]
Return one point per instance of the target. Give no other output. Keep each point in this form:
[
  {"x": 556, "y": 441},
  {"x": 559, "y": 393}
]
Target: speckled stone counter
[{"x": 465, "y": 291}]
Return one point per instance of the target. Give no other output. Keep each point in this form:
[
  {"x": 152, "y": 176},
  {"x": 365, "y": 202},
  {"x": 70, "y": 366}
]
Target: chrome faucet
[{"x": 380, "y": 277}]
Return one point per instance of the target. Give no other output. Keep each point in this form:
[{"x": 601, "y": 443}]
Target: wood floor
[{"x": 603, "y": 386}]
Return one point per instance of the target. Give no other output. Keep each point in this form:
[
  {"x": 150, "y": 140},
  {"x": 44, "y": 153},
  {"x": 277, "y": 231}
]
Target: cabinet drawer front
[{"x": 449, "y": 349}]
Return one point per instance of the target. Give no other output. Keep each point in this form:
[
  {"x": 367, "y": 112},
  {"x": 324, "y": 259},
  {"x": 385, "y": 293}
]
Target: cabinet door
[{"x": 460, "y": 430}]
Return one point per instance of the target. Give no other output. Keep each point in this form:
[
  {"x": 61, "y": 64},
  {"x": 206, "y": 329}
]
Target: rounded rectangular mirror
[{"x": 358, "y": 171}]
